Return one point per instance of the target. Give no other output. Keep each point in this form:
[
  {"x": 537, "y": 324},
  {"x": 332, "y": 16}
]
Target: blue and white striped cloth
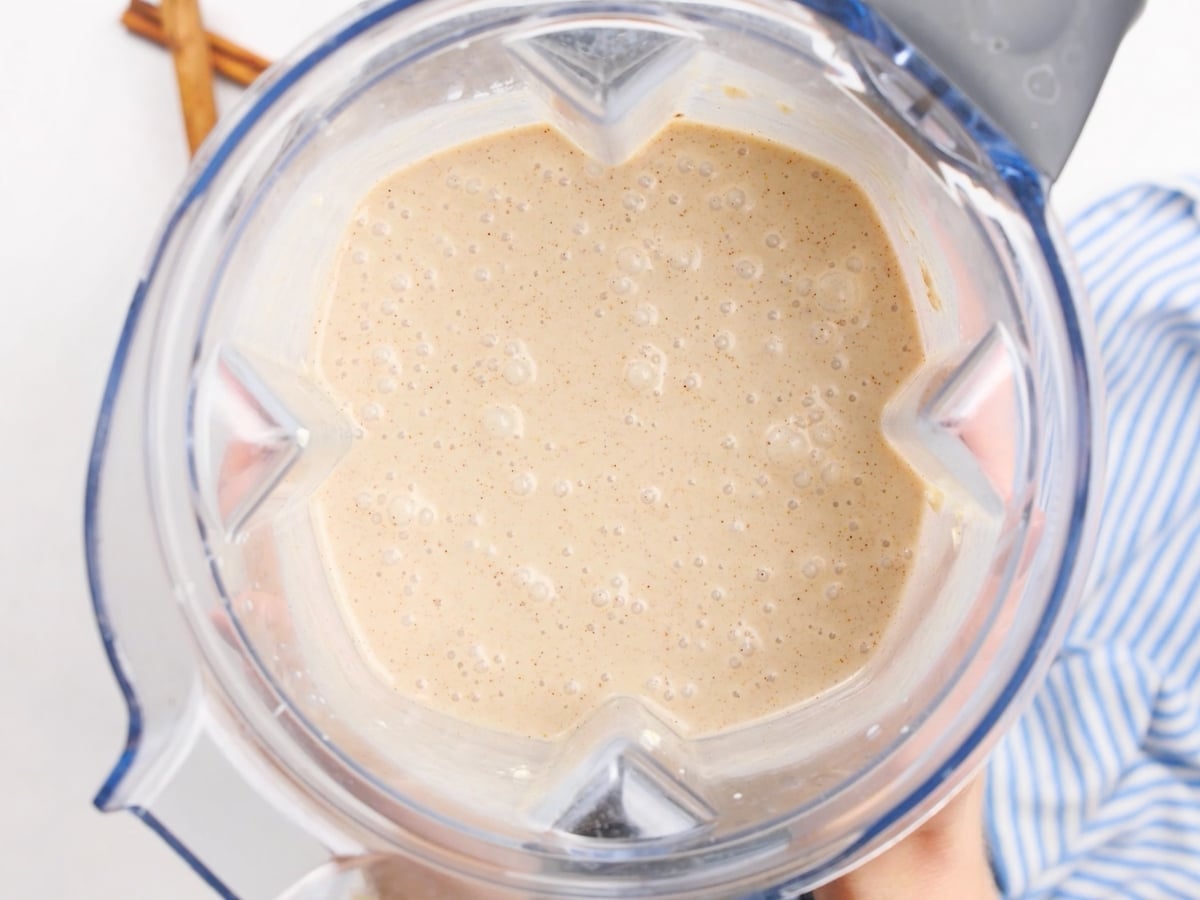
[{"x": 1096, "y": 791}]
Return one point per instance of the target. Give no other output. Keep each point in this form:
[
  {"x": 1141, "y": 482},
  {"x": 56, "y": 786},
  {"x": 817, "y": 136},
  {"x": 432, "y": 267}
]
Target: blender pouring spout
[{"x": 1034, "y": 67}]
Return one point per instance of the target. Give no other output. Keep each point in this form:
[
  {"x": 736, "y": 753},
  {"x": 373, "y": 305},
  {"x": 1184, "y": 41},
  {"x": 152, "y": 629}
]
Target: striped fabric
[{"x": 1096, "y": 791}]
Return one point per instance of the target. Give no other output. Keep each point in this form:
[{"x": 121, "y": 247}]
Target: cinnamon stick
[
  {"x": 193, "y": 67},
  {"x": 236, "y": 63}
]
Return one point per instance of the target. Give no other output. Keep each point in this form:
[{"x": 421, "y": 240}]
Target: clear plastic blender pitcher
[{"x": 261, "y": 745}]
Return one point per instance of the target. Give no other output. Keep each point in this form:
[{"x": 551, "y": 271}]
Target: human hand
[{"x": 944, "y": 859}]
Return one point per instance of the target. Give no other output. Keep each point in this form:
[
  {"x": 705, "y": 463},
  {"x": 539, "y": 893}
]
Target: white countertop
[{"x": 91, "y": 151}]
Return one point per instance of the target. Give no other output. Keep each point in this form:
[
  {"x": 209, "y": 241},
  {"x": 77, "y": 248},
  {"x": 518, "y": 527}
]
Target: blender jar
[{"x": 260, "y": 743}]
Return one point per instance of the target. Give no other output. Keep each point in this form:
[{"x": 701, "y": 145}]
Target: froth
[{"x": 618, "y": 430}]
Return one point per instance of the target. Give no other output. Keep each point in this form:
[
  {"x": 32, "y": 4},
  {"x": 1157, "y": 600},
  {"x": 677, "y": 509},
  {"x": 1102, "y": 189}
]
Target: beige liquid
[{"x": 619, "y": 430}]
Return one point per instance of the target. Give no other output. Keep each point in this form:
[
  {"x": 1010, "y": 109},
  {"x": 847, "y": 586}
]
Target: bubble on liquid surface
[
  {"x": 646, "y": 370},
  {"x": 685, "y": 257},
  {"x": 623, "y": 284},
  {"x": 748, "y": 269},
  {"x": 524, "y": 484},
  {"x": 645, "y": 315},
  {"x": 746, "y": 639},
  {"x": 837, "y": 292},
  {"x": 403, "y": 509},
  {"x": 823, "y": 435},
  {"x": 536, "y": 585},
  {"x": 859, "y": 319},
  {"x": 632, "y": 260},
  {"x": 802, "y": 286},
  {"x": 640, "y": 375},
  {"x": 823, "y": 333},
  {"x": 787, "y": 444},
  {"x": 504, "y": 421},
  {"x": 831, "y": 472},
  {"x": 724, "y": 341},
  {"x": 520, "y": 368}
]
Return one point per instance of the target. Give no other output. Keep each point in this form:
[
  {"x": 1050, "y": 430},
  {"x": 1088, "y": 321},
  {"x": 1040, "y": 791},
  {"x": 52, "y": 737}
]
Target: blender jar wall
[{"x": 826, "y": 782}]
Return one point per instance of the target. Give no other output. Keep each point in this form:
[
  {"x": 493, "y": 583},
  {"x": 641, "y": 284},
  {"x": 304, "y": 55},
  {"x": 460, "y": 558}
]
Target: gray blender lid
[{"x": 1034, "y": 67}]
